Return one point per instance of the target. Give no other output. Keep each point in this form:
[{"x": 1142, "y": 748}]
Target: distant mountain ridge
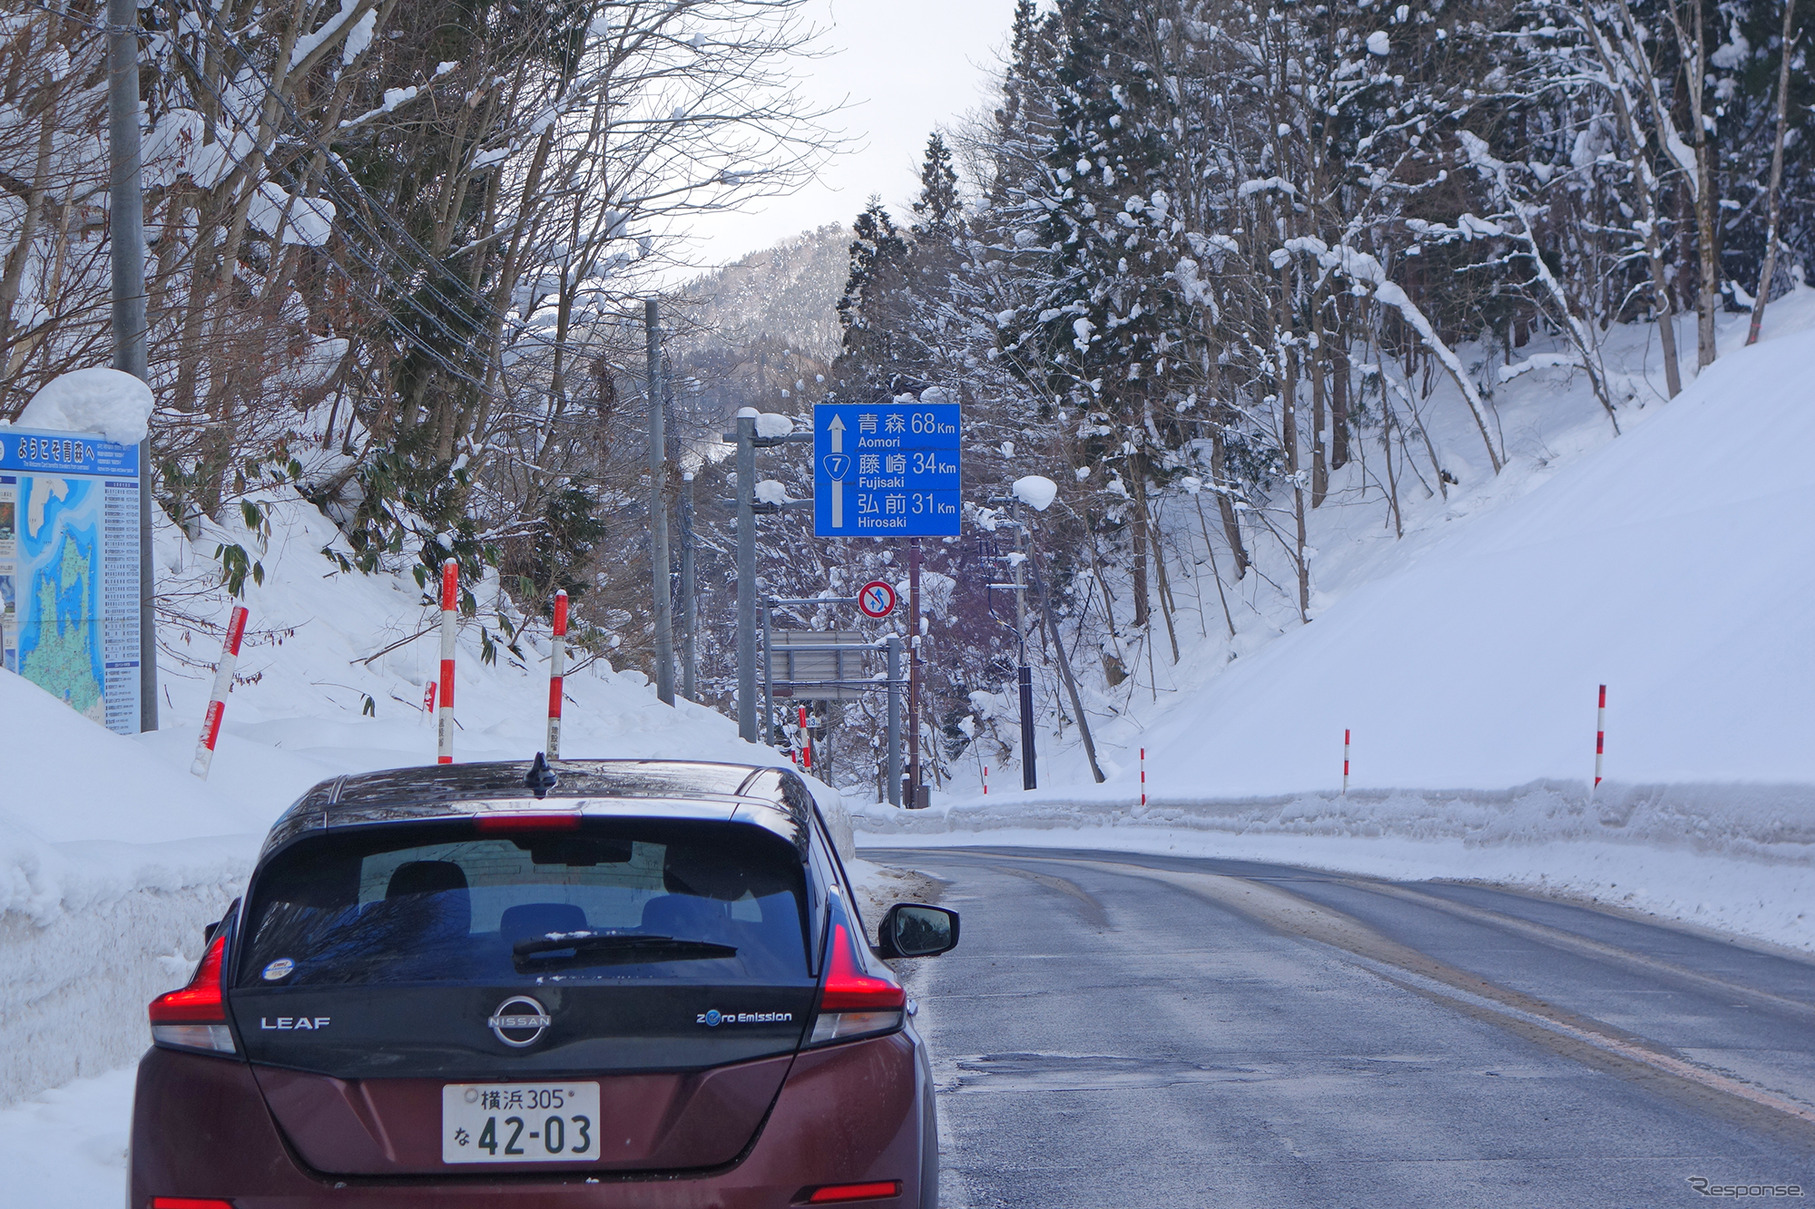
[{"x": 762, "y": 332}]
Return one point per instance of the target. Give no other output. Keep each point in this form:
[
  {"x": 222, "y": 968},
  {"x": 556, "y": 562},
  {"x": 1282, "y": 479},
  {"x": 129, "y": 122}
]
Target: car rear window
[{"x": 611, "y": 900}]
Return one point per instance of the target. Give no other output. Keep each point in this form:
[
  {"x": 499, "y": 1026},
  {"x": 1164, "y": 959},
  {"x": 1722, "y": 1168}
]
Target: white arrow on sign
[
  {"x": 837, "y": 503},
  {"x": 836, "y": 428}
]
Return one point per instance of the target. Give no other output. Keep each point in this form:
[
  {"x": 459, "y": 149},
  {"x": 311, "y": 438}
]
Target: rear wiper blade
[{"x": 601, "y": 948}]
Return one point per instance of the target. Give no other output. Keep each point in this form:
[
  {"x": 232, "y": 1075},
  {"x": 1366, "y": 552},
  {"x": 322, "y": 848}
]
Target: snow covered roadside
[
  {"x": 67, "y": 1146},
  {"x": 113, "y": 857},
  {"x": 1739, "y": 859},
  {"x": 110, "y": 863}
]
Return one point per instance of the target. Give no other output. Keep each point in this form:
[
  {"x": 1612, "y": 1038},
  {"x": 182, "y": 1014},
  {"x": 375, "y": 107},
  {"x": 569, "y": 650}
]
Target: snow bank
[
  {"x": 106, "y": 401},
  {"x": 1740, "y": 859},
  {"x": 110, "y": 862}
]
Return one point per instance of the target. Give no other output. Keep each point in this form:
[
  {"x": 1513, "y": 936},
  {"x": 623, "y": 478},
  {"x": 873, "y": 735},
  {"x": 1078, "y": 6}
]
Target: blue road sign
[{"x": 886, "y": 470}]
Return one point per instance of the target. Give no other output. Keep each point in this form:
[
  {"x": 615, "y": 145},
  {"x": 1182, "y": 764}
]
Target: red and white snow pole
[
  {"x": 806, "y": 742},
  {"x": 1345, "y": 761},
  {"x": 557, "y": 674},
  {"x": 1143, "y": 776},
  {"x": 444, "y": 722},
  {"x": 217, "y": 700},
  {"x": 1600, "y": 735},
  {"x": 986, "y": 780}
]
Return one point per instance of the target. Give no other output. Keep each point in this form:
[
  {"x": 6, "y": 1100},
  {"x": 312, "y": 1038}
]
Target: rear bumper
[{"x": 847, "y": 1114}]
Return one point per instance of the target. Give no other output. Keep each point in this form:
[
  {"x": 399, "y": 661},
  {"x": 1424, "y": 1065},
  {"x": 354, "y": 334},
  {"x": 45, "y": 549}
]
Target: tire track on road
[{"x": 1582, "y": 1038}]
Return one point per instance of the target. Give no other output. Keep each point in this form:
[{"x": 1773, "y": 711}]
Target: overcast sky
[{"x": 904, "y": 67}]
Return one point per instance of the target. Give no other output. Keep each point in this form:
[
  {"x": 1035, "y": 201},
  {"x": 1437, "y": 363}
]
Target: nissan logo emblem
[{"x": 519, "y": 1021}]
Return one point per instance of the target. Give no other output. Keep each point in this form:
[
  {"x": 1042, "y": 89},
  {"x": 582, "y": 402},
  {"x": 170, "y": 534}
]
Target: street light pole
[
  {"x": 689, "y": 613},
  {"x": 658, "y": 511},
  {"x": 746, "y": 575}
]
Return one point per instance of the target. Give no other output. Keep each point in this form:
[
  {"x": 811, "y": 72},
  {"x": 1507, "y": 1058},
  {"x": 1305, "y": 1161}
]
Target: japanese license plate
[{"x": 519, "y": 1122}]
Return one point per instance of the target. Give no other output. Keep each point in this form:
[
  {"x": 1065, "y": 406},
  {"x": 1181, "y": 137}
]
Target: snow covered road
[{"x": 1121, "y": 1030}]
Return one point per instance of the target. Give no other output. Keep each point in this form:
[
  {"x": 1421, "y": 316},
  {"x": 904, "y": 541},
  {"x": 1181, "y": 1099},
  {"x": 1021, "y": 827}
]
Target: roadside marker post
[
  {"x": 1600, "y": 735},
  {"x": 428, "y": 698},
  {"x": 557, "y": 674},
  {"x": 1143, "y": 776},
  {"x": 217, "y": 700},
  {"x": 986, "y": 780},
  {"x": 1345, "y": 761},
  {"x": 444, "y": 721}
]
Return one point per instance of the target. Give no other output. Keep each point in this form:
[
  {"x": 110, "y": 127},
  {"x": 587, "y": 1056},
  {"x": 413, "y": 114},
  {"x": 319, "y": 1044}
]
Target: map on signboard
[
  {"x": 69, "y": 571},
  {"x": 57, "y": 588}
]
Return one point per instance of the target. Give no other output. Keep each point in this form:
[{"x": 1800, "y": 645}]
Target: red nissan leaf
[{"x": 597, "y": 983}]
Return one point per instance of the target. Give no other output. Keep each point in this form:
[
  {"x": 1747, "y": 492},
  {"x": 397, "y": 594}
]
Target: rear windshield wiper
[{"x": 616, "y": 948}]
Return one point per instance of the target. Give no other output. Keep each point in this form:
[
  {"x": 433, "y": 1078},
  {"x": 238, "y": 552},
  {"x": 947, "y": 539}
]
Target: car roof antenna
[{"x": 541, "y": 777}]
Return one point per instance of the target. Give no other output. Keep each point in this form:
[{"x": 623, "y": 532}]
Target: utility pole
[
  {"x": 126, "y": 240},
  {"x": 689, "y": 609},
  {"x": 746, "y": 575},
  {"x": 659, "y": 568},
  {"x": 914, "y": 799}
]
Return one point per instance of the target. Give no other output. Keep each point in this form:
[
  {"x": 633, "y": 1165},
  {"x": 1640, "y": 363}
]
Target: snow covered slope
[
  {"x": 1675, "y": 564},
  {"x": 113, "y": 857}
]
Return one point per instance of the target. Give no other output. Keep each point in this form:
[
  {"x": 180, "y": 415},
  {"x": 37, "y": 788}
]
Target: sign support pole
[
  {"x": 126, "y": 241},
  {"x": 894, "y": 739},
  {"x": 914, "y": 802},
  {"x": 746, "y": 578},
  {"x": 768, "y": 724}
]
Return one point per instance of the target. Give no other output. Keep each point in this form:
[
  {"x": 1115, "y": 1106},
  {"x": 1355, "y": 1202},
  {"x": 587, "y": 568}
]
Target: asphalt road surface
[{"x": 1136, "y": 1032}]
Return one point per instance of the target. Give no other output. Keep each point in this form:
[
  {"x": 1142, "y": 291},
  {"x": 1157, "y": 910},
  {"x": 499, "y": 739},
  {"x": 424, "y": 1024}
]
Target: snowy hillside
[
  {"x": 113, "y": 856},
  {"x": 1673, "y": 564}
]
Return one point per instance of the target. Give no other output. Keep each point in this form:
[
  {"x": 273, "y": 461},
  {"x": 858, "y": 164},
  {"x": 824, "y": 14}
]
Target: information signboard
[
  {"x": 69, "y": 570},
  {"x": 886, "y": 469}
]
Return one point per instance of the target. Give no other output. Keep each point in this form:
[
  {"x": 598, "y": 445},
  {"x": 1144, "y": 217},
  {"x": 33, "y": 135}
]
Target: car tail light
[
  {"x": 195, "y": 1017},
  {"x": 856, "y": 1003},
  {"x": 189, "y": 1202},
  {"x": 842, "y": 1194}
]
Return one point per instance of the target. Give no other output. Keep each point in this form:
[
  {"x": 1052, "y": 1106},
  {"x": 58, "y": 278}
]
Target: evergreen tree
[
  {"x": 866, "y": 367},
  {"x": 938, "y": 206}
]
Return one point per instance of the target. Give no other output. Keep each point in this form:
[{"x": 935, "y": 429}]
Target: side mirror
[{"x": 911, "y": 930}]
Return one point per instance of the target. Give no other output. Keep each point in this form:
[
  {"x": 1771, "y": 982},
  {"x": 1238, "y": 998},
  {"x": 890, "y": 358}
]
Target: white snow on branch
[
  {"x": 1539, "y": 361},
  {"x": 1267, "y": 185},
  {"x": 305, "y": 45},
  {"x": 310, "y": 222}
]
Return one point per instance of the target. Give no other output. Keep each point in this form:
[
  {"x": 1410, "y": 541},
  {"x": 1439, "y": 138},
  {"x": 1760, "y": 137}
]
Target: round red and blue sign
[{"x": 877, "y": 599}]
